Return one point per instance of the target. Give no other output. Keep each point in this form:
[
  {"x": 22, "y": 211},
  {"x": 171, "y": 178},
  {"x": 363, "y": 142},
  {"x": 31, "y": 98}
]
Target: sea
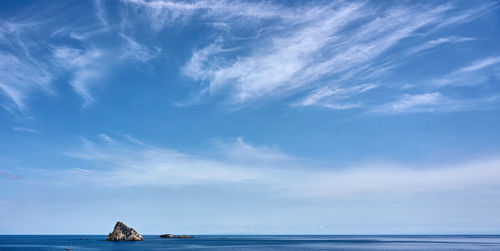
[{"x": 256, "y": 242}]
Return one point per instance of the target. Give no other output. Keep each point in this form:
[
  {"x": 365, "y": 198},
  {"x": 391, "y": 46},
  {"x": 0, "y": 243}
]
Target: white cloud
[
  {"x": 310, "y": 47},
  {"x": 89, "y": 65},
  {"x": 276, "y": 68},
  {"x": 479, "y": 64},
  {"x": 20, "y": 73},
  {"x": 32, "y": 54},
  {"x": 167, "y": 13},
  {"x": 243, "y": 152},
  {"x": 412, "y": 101},
  {"x": 100, "y": 12},
  {"x": 118, "y": 164},
  {"x": 201, "y": 59},
  {"x": 86, "y": 67},
  {"x": 380, "y": 179},
  {"x": 408, "y": 103},
  {"x": 307, "y": 48},
  {"x": 457, "y": 18},
  {"x": 334, "y": 95},
  {"x": 105, "y": 138},
  {"x": 434, "y": 102},
  {"x": 470, "y": 75},
  {"x": 134, "y": 50},
  {"x": 342, "y": 106},
  {"x": 24, "y": 129},
  {"x": 15, "y": 95},
  {"x": 19, "y": 78},
  {"x": 437, "y": 42}
]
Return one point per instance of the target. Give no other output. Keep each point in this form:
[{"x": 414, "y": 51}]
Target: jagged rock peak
[{"x": 122, "y": 232}]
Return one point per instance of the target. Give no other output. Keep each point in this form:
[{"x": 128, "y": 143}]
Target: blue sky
[{"x": 248, "y": 117}]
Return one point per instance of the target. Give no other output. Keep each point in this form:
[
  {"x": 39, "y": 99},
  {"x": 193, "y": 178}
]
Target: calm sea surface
[{"x": 256, "y": 242}]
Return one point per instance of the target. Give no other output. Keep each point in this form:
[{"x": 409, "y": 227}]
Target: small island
[
  {"x": 176, "y": 236},
  {"x": 122, "y": 232}
]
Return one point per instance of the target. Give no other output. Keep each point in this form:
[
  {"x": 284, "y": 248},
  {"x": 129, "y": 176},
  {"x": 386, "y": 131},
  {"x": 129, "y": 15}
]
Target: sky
[{"x": 250, "y": 117}]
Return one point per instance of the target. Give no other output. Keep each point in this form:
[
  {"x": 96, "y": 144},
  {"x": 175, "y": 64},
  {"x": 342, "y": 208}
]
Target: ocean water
[{"x": 256, "y": 242}]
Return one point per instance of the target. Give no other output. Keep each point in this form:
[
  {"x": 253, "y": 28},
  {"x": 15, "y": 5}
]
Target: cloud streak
[
  {"x": 434, "y": 102},
  {"x": 334, "y": 55},
  {"x": 24, "y": 129},
  {"x": 470, "y": 75},
  {"x": 20, "y": 73},
  {"x": 84, "y": 67},
  {"x": 479, "y": 64},
  {"x": 36, "y": 51},
  {"x": 334, "y": 95},
  {"x": 438, "y": 42},
  {"x": 315, "y": 50},
  {"x": 119, "y": 163}
]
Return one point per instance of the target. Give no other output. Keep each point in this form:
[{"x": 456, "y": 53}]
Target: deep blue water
[{"x": 256, "y": 242}]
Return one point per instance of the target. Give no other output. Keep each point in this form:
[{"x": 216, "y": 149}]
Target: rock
[
  {"x": 167, "y": 236},
  {"x": 175, "y": 236},
  {"x": 122, "y": 232}
]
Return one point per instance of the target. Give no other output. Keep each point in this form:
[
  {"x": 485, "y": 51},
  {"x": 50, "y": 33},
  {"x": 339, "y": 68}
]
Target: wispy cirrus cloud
[
  {"x": 434, "y": 102},
  {"x": 437, "y": 42},
  {"x": 252, "y": 50},
  {"x": 329, "y": 97},
  {"x": 479, "y": 64},
  {"x": 413, "y": 103},
  {"x": 20, "y": 78},
  {"x": 266, "y": 70},
  {"x": 117, "y": 162},
  {"x": 84, "y": 66},
  {"x": 470, "y": 75},
  {"x": 136, "y": 51},
  {"x": 24, "y": 129},
  {"x": 164, "y": 13},
  {"x": 467, "y": 16},
  {"x": 38, "y": 50},
  {"x": 100, "y": 12},
  {"x": 24, "y": 74},
  {"x": 89, "y": 65},
  {"x": 20, "y": 73},
  {"x": 316, "y": 52}
]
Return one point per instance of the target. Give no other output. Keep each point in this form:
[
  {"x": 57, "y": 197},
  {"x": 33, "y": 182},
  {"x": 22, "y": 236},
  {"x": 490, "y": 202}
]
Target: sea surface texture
[{"x": 255, "y": 242}]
